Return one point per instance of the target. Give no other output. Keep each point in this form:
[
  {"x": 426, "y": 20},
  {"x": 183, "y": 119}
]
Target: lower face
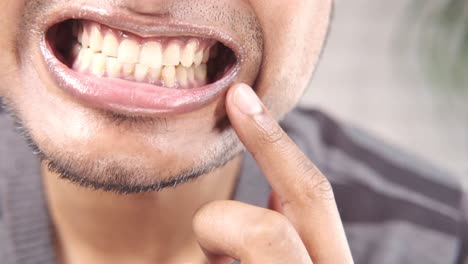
[{"x": 129, "y": 96}]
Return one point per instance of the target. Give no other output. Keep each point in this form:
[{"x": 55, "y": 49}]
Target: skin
[{"x": 283, "y": 40}]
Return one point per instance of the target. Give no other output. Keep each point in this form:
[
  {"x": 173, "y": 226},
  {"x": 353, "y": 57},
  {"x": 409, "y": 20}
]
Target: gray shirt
[{"x": 395, "y": 208}]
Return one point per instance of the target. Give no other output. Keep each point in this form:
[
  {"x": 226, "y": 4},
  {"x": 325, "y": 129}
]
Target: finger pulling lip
[{"x": 133, "y": 97}]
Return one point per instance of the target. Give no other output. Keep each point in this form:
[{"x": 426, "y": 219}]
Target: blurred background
[{"x": 397, "y": 69}]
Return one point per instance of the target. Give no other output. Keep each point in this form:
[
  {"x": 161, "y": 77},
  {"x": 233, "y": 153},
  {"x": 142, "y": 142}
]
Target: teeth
[
  {"x": 128, "y": 70},
  {"x": 154, "y": 74},
  {"x": 76, "y": 50},
  {"x": 198, "y": 57},
  {"x": 151, "y": 55},
  {"x": 201, "y": 72},
  {"x": 191, "y": 74},
  {"x": 169, "y": 76},
  {"x": 175, "y": 63},
  {"x": 95, "y": 38},
  {"x": 140, "y": 72},
  {"x": 182, "y": 77},
  {"x": 85, "y": 39},
  {"x": 114, "y": 67},
  {"x": 99, "y": 64},
  {"x": 171, "y": 56},
  {"x": 206, "y": 55},
  {"x": 86, "y": 59},
  {"x": 188, "y": 53},
  {"x": 110, "y": 45},
  {"x": 129, "y": 51}
]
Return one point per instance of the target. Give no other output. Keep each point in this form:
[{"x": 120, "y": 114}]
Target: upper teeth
[{"x": 172, "y": 62}]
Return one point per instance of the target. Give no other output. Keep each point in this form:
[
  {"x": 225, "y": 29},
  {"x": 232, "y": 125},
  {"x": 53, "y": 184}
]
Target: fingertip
[{"x": 244, "y": 99}]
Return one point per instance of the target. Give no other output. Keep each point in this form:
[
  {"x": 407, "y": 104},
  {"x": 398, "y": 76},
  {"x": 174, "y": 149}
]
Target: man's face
[{"x": 129, "y": 95}]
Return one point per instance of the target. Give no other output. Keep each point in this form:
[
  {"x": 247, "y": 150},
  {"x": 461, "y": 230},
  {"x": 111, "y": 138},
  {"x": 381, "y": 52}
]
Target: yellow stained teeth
[
  {"x": 85, "y": 39},
  {"x": 95, "y": 38},
  {"x": 129, "y": 51},
  {"x": 154, "y": 75},
  {"x": 86, "y": 59},
  {"x": 114, "y": 68},
  {"x": 171, "y": 55},
  {"x": 188, "y": 54},
  {"x": 180, "y": 63},
  {"x": 110, "y": 45},
  {"x": 182, "y": 77},
  {"x": 206, "y": 55},
  {"x": 201, "y": 72},
  {"x": 128, "y": 70},
  {"x": 169, "y": 76},
  {"x": 191, "y": 74},
  {"x": 151, "y": 54},
  {"x": 140, "y": 72},
  {"x": 198, "y": 57},
  {"x": 99, "y": 64}
]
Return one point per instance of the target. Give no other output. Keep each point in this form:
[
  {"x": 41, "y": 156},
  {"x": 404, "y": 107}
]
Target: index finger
[{"x": 304, "y": 192}]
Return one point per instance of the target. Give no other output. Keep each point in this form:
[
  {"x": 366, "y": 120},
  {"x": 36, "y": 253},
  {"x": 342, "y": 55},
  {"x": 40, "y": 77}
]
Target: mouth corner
[{"x": 177, "y": 70}]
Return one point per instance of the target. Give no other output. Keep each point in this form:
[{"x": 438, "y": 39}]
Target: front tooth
[
  {"x": 171, "y": 56},
  {"x": 95, "y": 38},
  {"x": 129, "y": 51},
  {"x": 154, "y": 74},
  {"x": 168, "y": 75},
  {"x": 99, "y": 64},
  {"x": 86, "y": 59},
  {"x": 110, "y": 45},
  {"x": 188, "y": 53},
  {"x": 114, "y": 67},
  {"x": 128, "y": 69},
  {"x": 182, "y": 77},
  {"x": 151, "y": 55},
  {"x": 201, "y": 72},
  {"x": 198, "y": 57},
  {"x": 140, "y": 72}
]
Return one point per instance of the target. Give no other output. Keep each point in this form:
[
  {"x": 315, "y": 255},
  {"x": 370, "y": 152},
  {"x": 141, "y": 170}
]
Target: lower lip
[{"x": 132, "y": 97}]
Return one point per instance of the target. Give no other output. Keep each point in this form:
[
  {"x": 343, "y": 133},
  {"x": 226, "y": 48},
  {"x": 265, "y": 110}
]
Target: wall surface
[{"x": 365, "y": 78}]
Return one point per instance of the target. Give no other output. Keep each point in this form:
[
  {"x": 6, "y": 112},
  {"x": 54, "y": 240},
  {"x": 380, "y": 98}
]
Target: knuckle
[
  {"x": 316, "y": 185},
  {"x": 270, "y": 227},
  {"x": 207, "y": 214},
  {"x": 271, "y": 134}
]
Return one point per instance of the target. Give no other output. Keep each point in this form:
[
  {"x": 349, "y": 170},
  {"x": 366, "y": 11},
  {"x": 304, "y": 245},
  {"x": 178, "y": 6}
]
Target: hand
[{"x": 302, "y": 225}]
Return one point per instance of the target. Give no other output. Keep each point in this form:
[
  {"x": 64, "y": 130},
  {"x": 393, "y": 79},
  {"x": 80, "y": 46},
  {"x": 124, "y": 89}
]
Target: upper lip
[{"x": 146, "y": 26}]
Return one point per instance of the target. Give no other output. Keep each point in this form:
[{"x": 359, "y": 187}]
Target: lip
[{"x": 132, "y": 97}]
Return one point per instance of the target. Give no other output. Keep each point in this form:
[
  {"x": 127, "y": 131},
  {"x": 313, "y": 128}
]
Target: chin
[
  {"x": 120, "y": 100},
  {"x": 127, "y": 103}
]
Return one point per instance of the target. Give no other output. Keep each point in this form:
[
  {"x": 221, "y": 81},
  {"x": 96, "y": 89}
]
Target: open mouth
[{"x": 117, "y": 69}]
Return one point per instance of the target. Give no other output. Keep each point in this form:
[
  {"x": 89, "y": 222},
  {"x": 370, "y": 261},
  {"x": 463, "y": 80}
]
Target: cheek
[
  {"x": 294, "y": 32},
  {"x": 10, "y": 19}
]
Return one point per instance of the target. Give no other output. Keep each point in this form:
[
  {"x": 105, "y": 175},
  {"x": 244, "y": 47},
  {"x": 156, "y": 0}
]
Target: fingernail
[{"x": 247, "y": 100}]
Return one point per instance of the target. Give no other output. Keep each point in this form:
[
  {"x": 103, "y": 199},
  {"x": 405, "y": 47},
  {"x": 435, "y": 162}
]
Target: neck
[{"x": 101, "y": 227}]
